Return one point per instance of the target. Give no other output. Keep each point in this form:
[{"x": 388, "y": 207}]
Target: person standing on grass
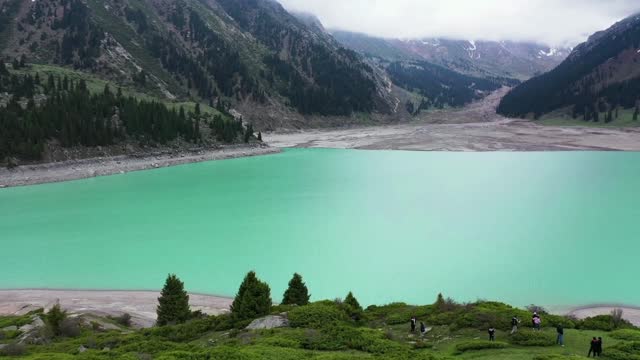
[
  {"x": 492, "y": 334},
  {"x": 423, "y": 329},
  {"x": 593, "y": 346},
  {"x": 413, "y": 324},
  {"x": 560, "y": 338},
  {"x": 536, "y": 323},
  {"x": 599, "y": 347},
  {"x": 514, "y": 324}
]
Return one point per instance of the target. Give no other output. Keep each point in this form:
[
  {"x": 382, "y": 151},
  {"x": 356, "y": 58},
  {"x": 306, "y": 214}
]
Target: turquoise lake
[{"x": 546, "y": 228}]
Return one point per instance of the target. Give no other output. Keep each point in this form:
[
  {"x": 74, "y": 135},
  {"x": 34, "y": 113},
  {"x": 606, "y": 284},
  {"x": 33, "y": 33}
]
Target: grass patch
[
  {"x": 476, "y": 345},
  {"x": 533, "y": 338}
]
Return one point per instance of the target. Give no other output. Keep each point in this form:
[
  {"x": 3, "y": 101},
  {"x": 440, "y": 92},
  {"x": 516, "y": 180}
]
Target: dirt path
[
  {"x": 80, "y": 169},
  {"x": 141, "y": 305}
]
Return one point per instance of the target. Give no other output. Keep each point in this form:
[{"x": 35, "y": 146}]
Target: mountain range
[
  {"x": 489, "y": 59},
  {"x": 599, "y": 77},
  {"x": 278, "y": 69}
]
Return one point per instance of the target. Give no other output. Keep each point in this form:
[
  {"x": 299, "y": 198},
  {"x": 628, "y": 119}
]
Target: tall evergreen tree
[
  {"x": 636, "y": 113},
  {"x": 297, "y": 293},
  {"x": 352, "y": 301},
  {"x": 353, "y": 307},
  {"x": 248, "y": 133},
  {"x": 253, "y": 299},
  {"x": 173, "y": 303}
]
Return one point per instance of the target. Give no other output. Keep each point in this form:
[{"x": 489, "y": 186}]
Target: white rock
[{"x": 269, "y": 322}]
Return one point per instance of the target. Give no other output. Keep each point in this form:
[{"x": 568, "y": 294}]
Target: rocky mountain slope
[
  {"x": 600, "y": 77},
  {"x": 241, "y": 54}
]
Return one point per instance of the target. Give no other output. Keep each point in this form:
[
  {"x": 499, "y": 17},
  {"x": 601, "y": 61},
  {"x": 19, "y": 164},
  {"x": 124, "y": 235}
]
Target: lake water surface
[{"x": 545, "y": 228}]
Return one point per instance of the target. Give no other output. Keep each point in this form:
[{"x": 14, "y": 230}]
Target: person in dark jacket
[
  {"x": 560, "y": 338},
  {"x": 514, "y": 324},
  {"x": 593, "y": 347},
  {"x": 423, "y": 329},
  {"x": 492, "y": 334},
  {"x": 413, "y": 324}
]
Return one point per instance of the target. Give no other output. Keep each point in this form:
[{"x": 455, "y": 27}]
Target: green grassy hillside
[{"x": 327, "y": 330}]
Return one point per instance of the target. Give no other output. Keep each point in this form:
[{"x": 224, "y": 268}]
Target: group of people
[
  {"x": 536, "y": 321},
  {"x": 423, "y": 327},
  {"x": 596, "y": 347}
]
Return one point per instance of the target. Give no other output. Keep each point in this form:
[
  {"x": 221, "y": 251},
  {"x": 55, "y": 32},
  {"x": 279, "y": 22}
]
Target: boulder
[
  {"x": 82, "y": 349},
  {"x": 269, "y": 322},
  {"x": 10, "y": 328}
]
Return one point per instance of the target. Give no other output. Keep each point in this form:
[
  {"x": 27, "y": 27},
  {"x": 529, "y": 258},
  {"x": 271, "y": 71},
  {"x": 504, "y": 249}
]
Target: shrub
[
  {"x": 9, "y": 334},
  {"x": 343, "y": 337},
  {"x": 557, "y": 357},
  {"x": 124, "y": 319},
  {"x": 533, "y": 338},
  {"x": 479, "y": 345},
  {"x": 626, "y": 334},
  {"x": 624, "y": 351},
  {"x": 69, "y": 328},
  {"x": 603, "y": 323},
  {"x": 13, "y": 350},
  {"x": 317, "y": 315}
]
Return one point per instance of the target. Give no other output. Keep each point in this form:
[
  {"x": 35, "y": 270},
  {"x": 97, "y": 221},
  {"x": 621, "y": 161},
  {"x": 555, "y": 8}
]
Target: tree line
[
  {"x": 65, "y": 110},
  {"x": 438, "y": 86},
  {"x": 253, "y": 300}
]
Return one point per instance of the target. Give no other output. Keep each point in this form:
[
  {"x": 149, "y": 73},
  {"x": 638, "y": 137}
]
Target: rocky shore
[{"x": 101, "y": 166}]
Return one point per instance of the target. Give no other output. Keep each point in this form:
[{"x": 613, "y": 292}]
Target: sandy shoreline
[
  {"x": 141, "y": 305},
  {"x": 496, "y": 135},
  {"x": 93, "y": 167}
]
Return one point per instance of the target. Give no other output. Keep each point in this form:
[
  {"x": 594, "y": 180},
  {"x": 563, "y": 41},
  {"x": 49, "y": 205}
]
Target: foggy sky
[{"x": 552, "y": 22}]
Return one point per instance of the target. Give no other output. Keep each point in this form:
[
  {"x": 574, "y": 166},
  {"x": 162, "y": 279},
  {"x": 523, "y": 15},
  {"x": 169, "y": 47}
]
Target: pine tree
[
  {"x": 248, "y": 133},
  {"x": 260, "y": 136},
  {"x": 440, "y": 302},
  {"x": 54, "y": 318},
  {"x": 173, "y": 303},
  {"x": 636, "y": 113},
  {"x": 297, "y": 293},
  {"x": 253, "y": 299},
  {"x": 353, "y": 307},
  {"x": 3, "y": 68}
]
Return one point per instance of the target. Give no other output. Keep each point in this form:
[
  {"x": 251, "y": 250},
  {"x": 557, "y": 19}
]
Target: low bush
[
  {"x": 476, "y": 345},
  {"x": 13, "y": 350},
  {"x": 69, "y": 328},
  {"x": 125, "y": 319},
  {"x": 626, "y": 334},
  {"x": 624, "y": 351},
  {"x": 191, "y": 330},
  {"x": 345, "y": 337},
  {"x": 533, "y": 338},
  {"x": 557, "y": 357},
  {"x": 396, "y": 313},
  {"x": 317, "y": 315},
  {"x": 603, "y": 323},
  {"x": 9, "y": 334}
]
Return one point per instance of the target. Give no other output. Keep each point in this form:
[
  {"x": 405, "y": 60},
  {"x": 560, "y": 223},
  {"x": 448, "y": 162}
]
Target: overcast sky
[{"x": 553, "y": 22}]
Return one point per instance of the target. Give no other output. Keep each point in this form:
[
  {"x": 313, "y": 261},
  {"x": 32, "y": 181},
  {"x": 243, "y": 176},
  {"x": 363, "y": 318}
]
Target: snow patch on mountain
[{"x": 551, "y": 52}]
